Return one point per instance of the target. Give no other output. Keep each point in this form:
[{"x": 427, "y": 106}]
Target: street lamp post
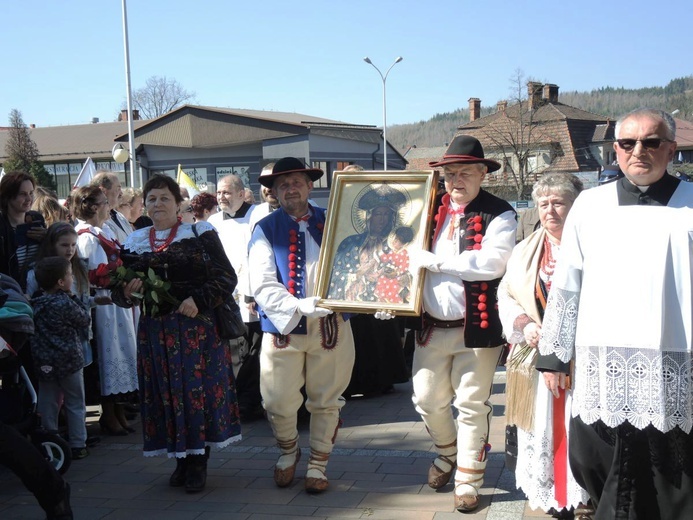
[
  {"x": 384, "y": 78},
  {"x": 131, "y": 131}
]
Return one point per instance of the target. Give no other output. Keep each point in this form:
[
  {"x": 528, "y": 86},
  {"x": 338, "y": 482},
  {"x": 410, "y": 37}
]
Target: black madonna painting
[{"x": 373, "y": 220}]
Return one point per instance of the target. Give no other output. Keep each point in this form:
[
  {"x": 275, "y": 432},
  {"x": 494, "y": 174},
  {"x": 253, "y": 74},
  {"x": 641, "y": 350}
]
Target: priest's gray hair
[{"x": 655, "y": 113}]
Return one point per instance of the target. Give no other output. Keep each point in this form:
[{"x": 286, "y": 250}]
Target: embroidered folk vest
[
  {"x": 289, "y": 246},
  {"x": 482, "y": 324}
]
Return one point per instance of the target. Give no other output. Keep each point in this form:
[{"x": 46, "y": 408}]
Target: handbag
[{"x": 227, "y": 315}]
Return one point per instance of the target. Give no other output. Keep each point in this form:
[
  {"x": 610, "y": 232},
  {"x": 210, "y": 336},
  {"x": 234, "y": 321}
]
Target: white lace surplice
[
  {"x": 534, "y": 473},
  {"x": 629, "y": 272}
]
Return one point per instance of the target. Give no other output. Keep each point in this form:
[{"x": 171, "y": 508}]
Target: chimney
[
  {"x": 94, "y": 120},
  {"x": 550, "y": 93},
  {"x": 534, "y": 94},
  {"x": 501, "y": 106},
  {"x": 474, "y": 109},
  {"x": 135, "y": 114}
]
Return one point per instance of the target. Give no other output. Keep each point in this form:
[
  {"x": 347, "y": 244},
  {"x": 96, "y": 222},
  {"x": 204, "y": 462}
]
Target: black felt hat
[
  {"x": 288, "y": 165},
  {"x": 465, "y": 149}
]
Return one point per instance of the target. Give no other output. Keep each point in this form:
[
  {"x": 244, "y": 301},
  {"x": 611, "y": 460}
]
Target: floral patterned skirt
[{"x": 187, "y": 390}]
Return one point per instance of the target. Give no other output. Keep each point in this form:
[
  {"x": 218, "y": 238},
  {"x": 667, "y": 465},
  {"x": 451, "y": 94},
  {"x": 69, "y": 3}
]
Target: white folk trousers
[
  {"x": 446, "y": 372},
  {"x": 326, "y": 372}
]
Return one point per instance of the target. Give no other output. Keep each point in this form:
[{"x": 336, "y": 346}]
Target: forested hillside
[{"x": 607, "y": 101}]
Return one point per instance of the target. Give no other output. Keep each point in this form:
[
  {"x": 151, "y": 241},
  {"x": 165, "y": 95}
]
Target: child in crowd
[
  {"x": 57, "y": 350},
  {"x": 394, "y": 281},
  {"x": 61, "y": 240}
]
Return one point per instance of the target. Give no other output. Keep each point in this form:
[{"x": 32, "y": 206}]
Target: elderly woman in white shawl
[{"x": 542, "y": 470}]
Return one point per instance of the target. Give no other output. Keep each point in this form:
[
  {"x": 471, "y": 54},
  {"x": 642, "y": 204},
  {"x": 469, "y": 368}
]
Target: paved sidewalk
[{"x": 378, "y": 472}]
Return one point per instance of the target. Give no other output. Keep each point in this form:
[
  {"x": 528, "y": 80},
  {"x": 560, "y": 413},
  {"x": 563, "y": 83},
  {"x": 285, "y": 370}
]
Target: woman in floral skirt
[{"x": 179, "y": 273}]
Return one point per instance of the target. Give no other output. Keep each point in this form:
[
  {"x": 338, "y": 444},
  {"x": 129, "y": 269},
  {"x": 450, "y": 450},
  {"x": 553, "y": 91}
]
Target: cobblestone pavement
[{"x": 377, "y": 471}]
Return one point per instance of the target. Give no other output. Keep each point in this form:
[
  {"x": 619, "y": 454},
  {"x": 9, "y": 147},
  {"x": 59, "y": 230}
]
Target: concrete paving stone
[
  {"x": 123, "y": 476},
  {"x": 91, "y": 489},
  {"x": 340, "y": 465},
  {"x": 290, "y": 510},
  {"x": 383, "y": 434},
  {"x": 338, "y": 513},
  {"x": 340, "y": 453},
  {"x": 395, "y": 478},
  {"x": 221, "y": 479},
  {"x": 208, "y": 506},
  {"x": 406, "y": 469},
  {"x": 126, "y": 513},
  {"x": 369, "y": 486},
  {"x": 147, "y": 503},
  {"x": 409, "y": 502},
  {"x": 331, "y": 498},
  {"x": 273, "y": 516},
  {"x": 372, "y": 477},
  {"x": 239, "y": 451},
  {"x": 253, "y": 463},
  {"x": 390, "y": 514},
  {"x": 223, "y": 516},
  {"x": 274, "y": 496}
]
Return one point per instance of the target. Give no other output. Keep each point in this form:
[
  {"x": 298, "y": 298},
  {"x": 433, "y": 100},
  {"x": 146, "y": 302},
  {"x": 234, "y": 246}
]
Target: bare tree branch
[{"x": 159, "y": 96}]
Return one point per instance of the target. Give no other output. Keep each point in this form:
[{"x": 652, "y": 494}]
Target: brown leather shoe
[
  {"x": 466, "y": 503},
  {"x": 316, "y": 485},
  {"x": 437, "y": 478},
  {"x": 284, "y": 477}
]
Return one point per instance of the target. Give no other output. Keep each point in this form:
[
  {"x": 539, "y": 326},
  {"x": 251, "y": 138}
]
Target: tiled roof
[
  {"x": 432, "y": 153},
  {"x": 188, "y": 126},
  {"x": 566, "y": 130},
  {"x": 419, "y": 157},
  {"x": 57, "y": 143},
  {"x": 684, "y": 134}
]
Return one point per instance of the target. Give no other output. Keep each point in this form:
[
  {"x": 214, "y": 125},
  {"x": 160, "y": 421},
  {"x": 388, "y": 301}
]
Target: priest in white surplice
[{"x": 621, "y": 309}]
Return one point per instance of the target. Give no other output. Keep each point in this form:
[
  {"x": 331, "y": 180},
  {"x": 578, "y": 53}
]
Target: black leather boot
[
  {"x": 178, "y": 476},
  {"x": 196, "y": 472}
]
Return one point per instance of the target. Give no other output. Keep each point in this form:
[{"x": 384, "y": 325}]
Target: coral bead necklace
[{"x": 162, "y": 243}]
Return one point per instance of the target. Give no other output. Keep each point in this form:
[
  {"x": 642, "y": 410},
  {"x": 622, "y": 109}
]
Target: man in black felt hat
[
  {"x": 461, "y": 338},
  {"x": 302, "y": 343}
]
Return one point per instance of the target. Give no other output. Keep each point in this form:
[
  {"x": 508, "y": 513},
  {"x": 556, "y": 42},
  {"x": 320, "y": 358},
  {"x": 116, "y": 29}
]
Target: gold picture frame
[{"x": 373, "y": 219}]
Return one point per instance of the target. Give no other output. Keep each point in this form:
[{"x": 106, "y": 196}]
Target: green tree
[{"x": 22, "y": 152}]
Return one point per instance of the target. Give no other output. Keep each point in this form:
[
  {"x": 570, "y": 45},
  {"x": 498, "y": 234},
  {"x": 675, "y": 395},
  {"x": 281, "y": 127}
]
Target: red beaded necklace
[{"x": 165, "y": 242}]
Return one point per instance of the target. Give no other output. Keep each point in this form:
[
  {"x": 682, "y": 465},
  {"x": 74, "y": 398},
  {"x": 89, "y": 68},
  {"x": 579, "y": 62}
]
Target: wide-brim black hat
[
  {"x": 465, "y": 149},
  {"x": 284, "y": 167}
]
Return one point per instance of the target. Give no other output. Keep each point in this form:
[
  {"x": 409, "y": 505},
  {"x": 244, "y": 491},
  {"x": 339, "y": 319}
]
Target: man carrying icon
[
  {"x": 460, "y": 343},
  {"x": 303, "y": 343}
]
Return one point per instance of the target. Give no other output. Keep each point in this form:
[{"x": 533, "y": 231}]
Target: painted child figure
[{"x": 394, "y": 280}]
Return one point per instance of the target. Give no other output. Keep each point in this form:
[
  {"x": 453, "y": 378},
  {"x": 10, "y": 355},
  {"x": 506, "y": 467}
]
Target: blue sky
[{"x": 63, "y": 62}]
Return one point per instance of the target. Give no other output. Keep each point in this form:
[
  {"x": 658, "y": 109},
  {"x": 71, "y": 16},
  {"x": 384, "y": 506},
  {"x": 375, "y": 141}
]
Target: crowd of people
[{"x": 125, "y": 285}]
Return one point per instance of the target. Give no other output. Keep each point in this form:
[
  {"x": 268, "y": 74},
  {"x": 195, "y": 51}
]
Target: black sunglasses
[{"x": 651, "y": 143}]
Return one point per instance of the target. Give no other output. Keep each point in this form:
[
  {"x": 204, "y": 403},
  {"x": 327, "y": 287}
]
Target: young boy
[{"x": 57, "y": 350}]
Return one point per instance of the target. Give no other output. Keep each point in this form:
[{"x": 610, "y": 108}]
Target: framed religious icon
[{"x": 374, "y": 218}]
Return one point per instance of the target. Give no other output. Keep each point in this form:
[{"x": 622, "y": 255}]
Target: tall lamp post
[
  {"x": 131, "y": 131},
  {"x": 384, "y": 78}
]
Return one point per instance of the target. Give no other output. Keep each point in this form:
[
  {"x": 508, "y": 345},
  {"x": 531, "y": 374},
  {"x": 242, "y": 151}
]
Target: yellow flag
[{"x": 186, "y": 182}]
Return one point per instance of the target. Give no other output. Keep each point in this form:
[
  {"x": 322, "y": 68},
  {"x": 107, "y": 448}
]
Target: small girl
[
  {"x": 61, "y": 240},
  {"x": 394, "y": 279},
  {"x": 57, "y": 350}
]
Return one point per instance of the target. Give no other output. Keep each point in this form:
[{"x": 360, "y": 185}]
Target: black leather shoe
[
  {"x": 177, "y": 478},
  {"x": 196, "y": 472}
]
